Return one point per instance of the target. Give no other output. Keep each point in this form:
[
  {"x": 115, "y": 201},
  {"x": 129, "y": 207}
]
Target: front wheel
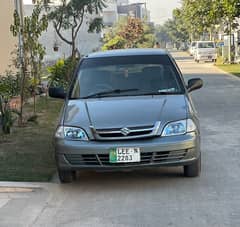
[
  {"x": 194, "y": 169},
  {"x": 66, "y": 176}
]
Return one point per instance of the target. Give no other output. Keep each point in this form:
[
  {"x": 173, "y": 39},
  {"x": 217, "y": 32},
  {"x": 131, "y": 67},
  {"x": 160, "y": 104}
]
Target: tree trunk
[
  {"x": 211, "y": 34},
  {"x": 22, "y": 90},
  {"x": 73, "y": 49}
]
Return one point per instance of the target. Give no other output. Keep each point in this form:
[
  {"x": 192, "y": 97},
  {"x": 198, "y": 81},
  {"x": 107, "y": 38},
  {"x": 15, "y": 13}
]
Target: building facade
[
  {"x": 110, "y": 13},
  {"x": 137, "y": 10},
  {"x": 85, "y": 43},
  {"x": 8, "y": 42}
]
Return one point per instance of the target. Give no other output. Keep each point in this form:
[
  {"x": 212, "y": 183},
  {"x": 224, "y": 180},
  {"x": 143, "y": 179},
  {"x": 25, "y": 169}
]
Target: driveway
[{"x": 154, "y": 197}]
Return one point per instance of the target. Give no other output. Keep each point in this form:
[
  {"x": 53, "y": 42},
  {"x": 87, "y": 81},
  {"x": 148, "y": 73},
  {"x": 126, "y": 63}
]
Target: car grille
[
  {"x": 146, "y": 158},
  {"x": 126, "y": 132}
]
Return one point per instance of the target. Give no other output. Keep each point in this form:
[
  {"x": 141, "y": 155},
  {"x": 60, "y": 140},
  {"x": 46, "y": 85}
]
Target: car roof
[{"x": 128, "y": 52}]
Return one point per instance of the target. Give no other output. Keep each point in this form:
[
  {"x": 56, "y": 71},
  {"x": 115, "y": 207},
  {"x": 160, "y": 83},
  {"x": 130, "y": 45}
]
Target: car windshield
[
  {"x": 206, "y": 45},
  {"x": 126, "y": 76}
]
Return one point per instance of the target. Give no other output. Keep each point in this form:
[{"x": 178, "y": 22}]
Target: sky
[
  {"x": 160, "y": 10},
  {"x": 27, "y": 1}
]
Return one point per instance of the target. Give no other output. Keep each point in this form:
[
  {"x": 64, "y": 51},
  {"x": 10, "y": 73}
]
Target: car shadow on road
[{"x": 130, "y": 180}]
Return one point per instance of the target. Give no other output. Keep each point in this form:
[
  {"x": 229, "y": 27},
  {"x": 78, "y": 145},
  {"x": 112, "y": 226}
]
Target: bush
[
  {"x": 9, "y": 85},
  {"x": 6, "y": 118},
  {"x": 61, "y": 73}
]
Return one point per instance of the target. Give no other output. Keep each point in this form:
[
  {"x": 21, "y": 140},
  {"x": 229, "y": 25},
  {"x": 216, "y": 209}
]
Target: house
[
  {"x": 8, "y": 42},
  {"x": 110, "y": 13},
  {"x": 237, "y": 42},
  {"x": 137, "y": 10},
  {"x": 86, "y": 42}
]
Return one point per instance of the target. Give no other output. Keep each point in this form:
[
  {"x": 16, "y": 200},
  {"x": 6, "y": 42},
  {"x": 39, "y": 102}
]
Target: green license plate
[{"x": 124, "y": 155}]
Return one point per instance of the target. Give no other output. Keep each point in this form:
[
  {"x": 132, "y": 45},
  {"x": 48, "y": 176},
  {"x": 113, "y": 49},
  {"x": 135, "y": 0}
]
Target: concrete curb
[
  {"x": 12, "y": 184},
  {"x": 34, "y": 185}
]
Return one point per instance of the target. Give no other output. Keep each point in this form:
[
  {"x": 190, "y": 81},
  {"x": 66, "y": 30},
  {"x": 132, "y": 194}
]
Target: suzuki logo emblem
[{"x": 125, "y": 131}]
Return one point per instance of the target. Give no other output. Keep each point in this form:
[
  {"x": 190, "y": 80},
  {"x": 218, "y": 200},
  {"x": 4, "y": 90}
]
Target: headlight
[
  {"x": 179, "y": 128},
  {"x": 71, "y": 133}
]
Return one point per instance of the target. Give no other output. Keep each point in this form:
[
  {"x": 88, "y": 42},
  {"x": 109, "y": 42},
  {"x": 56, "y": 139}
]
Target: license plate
[{"x": 124, "y": 155}]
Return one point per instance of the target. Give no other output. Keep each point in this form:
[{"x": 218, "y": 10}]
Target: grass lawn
[
  {"x": 233, "y": 68},
  {"x": 27, "y": 153}
]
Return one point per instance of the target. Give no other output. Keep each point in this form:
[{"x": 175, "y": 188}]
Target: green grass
[
  {"x": 230, "y": 68},
  {"x": 27, "y": 153}
]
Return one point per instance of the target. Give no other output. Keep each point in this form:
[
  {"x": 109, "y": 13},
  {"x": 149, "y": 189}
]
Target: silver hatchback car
[{"x": 127, "y": 109}]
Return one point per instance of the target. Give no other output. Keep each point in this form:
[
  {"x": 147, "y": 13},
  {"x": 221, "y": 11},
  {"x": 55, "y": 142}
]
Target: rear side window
[
  {"x": 206, "y": 45},
  {"x": 144, "y": 73}
]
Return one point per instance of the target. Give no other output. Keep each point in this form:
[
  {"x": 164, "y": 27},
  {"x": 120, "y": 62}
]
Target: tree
[
  {"x": 116, "y": 42},
  {"x": 71, "y": 15},
  {"x": 132, "y": 32},
  {"x": 30, "y": 29},
  {"x": 9, "y": 87},
  {"x": 197, "y": 17},
  {"x": 230, "y": 10},
  {"x": 204, "y": 16},
  {"x": 162, "y": 35},
  {"x": 173, "y": 30},
  {"x": 148, "y": 38},
  {"x": 129, "y": 33}
]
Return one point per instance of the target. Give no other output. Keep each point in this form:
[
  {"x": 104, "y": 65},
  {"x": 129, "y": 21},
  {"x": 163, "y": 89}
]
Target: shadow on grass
[{"x": 27, "y": 153}]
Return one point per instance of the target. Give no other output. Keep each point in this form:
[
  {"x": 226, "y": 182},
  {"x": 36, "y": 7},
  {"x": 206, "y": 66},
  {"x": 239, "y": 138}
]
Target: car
[
  {"x": 205, "y": 51},
  {"x": 192, "y": 48},
  {"x": 127, "y": 109}
]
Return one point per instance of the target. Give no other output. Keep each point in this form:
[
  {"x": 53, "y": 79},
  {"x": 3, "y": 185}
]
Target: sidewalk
[{"x": 22, "y": 202}]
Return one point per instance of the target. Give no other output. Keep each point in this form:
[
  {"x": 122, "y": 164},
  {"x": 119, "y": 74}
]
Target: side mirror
[
  {"x": 57, "y": 92},
  {"x": 194, "y": 84}
]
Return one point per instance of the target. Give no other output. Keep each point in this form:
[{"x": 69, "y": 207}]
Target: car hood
[{"x": 121, "y": 112}]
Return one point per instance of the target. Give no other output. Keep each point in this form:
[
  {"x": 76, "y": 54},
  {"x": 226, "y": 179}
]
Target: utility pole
[{"x": 146, "y": 13}]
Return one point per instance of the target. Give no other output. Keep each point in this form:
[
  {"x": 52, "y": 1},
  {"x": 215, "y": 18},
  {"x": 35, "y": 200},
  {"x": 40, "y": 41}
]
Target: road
[{"x": 155, "y": 197}]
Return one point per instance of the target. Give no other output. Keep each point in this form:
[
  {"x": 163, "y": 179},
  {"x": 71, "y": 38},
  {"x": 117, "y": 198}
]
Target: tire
[
  {"x": 197, "y": 61},
  {"x": 66, "y": 176},
  {"x": 194, "y": 169}
]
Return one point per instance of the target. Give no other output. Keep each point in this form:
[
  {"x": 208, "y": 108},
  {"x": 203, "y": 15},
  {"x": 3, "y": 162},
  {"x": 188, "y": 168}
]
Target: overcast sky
[{"x": 161, "y": 10}]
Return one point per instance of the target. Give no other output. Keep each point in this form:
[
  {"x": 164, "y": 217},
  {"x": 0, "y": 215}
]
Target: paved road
[{"x": 156, "y": 197}]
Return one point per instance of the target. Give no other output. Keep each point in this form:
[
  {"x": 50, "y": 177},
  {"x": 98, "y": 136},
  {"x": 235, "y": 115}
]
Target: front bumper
[{"x": 157, "y": 151}]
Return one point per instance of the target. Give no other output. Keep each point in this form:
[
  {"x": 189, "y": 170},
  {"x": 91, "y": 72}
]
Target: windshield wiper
[
  {"x": 160, "y": 93},
  {"x": 114, "y": 91}
]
